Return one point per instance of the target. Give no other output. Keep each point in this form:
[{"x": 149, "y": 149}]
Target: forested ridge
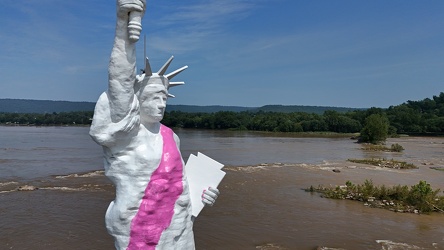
[
  {"x": 43, "y": 106},
  {"x": 46, "y": 106},
  {"x": 412, "y": 117}
]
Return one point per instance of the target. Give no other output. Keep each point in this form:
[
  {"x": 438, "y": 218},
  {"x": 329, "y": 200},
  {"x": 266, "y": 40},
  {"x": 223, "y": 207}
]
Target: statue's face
[
  {"x": 152, "y": 101},
  {"x": 153, "y": 107}
]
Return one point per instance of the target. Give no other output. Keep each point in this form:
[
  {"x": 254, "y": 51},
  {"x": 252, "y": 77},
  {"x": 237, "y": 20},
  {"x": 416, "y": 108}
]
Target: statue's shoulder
[
  {"x": 170, "y": 132},
  {"x": 166, "y": 130}
]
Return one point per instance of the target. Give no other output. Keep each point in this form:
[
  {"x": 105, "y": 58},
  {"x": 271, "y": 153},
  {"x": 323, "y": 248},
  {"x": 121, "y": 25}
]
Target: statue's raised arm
[{"x": 122, "y": 65}]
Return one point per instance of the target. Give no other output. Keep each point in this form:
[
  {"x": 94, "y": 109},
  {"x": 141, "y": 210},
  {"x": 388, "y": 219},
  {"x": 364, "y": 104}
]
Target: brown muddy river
[{"x": 261, "y": 205}]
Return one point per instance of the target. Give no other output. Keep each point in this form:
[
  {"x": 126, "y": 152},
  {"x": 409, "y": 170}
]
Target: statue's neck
[{"x": 152, "y": 127}]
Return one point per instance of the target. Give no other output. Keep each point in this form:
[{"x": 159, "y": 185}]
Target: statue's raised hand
[
  {"x": 133, "y": 10},
  {"x": 126, "y": 6}
]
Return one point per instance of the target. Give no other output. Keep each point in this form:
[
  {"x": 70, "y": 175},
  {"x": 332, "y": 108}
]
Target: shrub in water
[{"x": 396, "y": 148}]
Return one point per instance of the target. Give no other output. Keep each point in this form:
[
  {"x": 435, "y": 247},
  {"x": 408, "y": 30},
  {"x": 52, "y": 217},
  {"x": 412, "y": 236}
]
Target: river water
[{"x": 262, "y": 204}]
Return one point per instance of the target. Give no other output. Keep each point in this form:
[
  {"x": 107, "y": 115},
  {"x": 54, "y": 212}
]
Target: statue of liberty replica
[{"x": 152, "y": 208}]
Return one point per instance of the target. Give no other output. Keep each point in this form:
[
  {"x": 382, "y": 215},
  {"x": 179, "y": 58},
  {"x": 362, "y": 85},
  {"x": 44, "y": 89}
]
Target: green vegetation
[
  {"x": 63, "y": 118},
  {"x": 438, "y": 168},
  {"x": 424, "y": 117},
  {"x": 396, "y": 148},
  {"x": 418, "y": 117},
  {"x": 330, "y": 121},
  {"x": 377, "y": 147},
  {"x": 419, "y": 198},
  {"x": 375, "y": 129},
  {"x": 385, "y": 163},
  {"x": 373, "y": 147}
]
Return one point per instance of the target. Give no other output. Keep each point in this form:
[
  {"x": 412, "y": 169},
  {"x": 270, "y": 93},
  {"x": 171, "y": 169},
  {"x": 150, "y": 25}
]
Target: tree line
[{"x": 411, "y": 117}]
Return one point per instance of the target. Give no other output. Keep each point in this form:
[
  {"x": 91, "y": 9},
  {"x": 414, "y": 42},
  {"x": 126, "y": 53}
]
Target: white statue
[{"x": 152, "y": 207}]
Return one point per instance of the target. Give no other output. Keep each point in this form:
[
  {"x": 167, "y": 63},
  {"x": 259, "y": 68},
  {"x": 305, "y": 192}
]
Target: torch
[{"x": 134, "y": 26}]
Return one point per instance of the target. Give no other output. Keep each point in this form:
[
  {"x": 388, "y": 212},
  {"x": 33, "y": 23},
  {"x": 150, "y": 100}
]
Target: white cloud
[
  {"x": 208, "y": 14},
  {"x": 195, "y": 26}
]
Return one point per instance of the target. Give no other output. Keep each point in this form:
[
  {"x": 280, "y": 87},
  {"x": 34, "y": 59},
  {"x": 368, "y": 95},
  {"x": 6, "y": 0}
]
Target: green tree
[
  {"x": 340, "y": 123},
  {"x": 375, "y": 129},
  {"x": 423, "y": 196}
]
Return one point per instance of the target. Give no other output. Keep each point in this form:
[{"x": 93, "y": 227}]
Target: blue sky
[{"x": 346, "y": 53}]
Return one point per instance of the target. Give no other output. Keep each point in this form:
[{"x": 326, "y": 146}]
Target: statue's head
[{"x": 152, "y": 91}]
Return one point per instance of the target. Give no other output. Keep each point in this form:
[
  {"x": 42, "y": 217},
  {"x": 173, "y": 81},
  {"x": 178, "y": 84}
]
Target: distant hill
[
  {"x": 45, "y": 106},
  {"x": 206, "y": 109},
  {"x": 304, "y": 109}
]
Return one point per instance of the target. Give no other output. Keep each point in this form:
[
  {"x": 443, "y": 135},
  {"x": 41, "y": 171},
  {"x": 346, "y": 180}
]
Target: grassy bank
[
  {"x": 385, "y": 163},
  {"x": 419, "y": 198},
  {"x": 393, "y": 148}
]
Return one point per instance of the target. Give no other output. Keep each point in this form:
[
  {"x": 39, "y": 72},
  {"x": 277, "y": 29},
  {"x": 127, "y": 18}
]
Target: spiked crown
[{"x": 144, "y": 79}]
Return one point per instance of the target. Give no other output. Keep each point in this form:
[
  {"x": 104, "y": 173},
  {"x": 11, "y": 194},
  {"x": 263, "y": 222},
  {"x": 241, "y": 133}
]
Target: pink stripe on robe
[{"x": 164, "y": 188}]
